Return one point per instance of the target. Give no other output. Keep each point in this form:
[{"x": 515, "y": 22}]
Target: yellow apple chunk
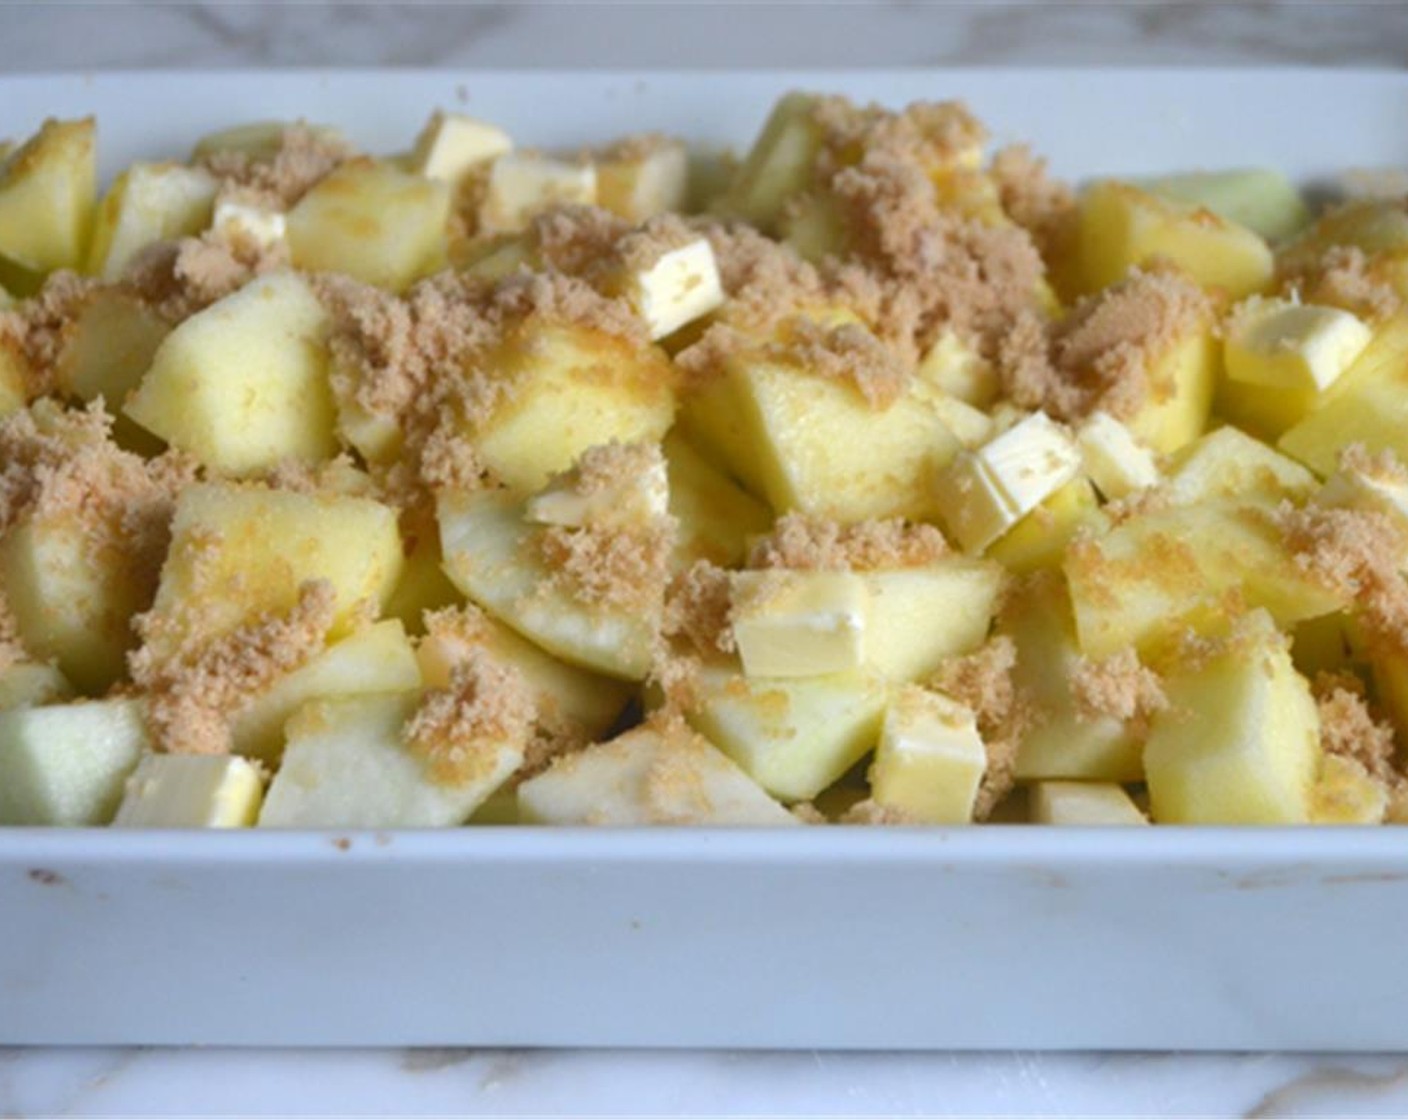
[
  {"x": 148, "y": 202},
  {"x": 47, "y": 190}
]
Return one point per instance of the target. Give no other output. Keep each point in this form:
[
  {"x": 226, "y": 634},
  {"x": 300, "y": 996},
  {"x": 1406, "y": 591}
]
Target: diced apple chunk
[
  {"x": 1346, "y": 793},
  {"x": 191, "y": 791},
  {"x": 715, "y": 516},
  {"x": 452, "y": 145},
  {"x": 1240, "y": 740},
  {"x": 522, "y": 184},
  {"x": 31, "y": 684},
  {"x": 799, "y": 624},
  {"x": 1122, "y": 227},
  {"x": 1113, "y": 459},
  {"x": 347, "y": 766},
  {"x": 243, "y": 384},
  {"x": 656, "y": 774},
  {"x": 371, "y": 221},
  {"x": 377, "y": 658},
  {"x": 793, "y": 736},
  {"x": 491, "y": 556},
  {"x": 1040, "y": 538},
  {"x": 917, "y": 617},
  {"x": 47, "y": 190},
  {"x": 779, "y": 165},
  {"x": 65, "y": 764},
  {"x": 640, "y": 179},
  {"x": 1084, "y": 804},
  {"x": 108, "y": 347},
  {"x": 259, "y": 139},
  {"x": 930, "y": 759},
  {"x": 1228, "y": 463},
  {"x": 148, "y": 202},
  {"x": 242, "y": 551},
  {"x": 1263, "y": 200}
]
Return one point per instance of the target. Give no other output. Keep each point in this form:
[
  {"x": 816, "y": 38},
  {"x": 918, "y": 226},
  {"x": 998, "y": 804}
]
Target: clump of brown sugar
[
  {"x": 1342, "y": 276},
  {"x": 1348, "y": 728},
  {"x": 194, "y": 693},
  {"x": 868, "y": 811},
  {"x": 12, "y": 651},
  {"x": 1354, "y": 553},
  {"x": 1117, "y": 687},
  {"x": 983, "y": 680},
  {"x": 847, "y": 353},
  {"x": 37, "y": 329},
  {"x": 698, "y": 607},
  {"x": 303, "y": 158},
  {"x": 179, "y": 278},
  {"x": 1034, "y": 200},
  {"x": 1104, "y": 352},
  {"x": 805, "y": 543},
  {"x": 461, "y": 731},
  {"x": 616, "y": 567}
]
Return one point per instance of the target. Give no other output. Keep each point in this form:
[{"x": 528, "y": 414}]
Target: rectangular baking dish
[{"x": 994, "y": 937}]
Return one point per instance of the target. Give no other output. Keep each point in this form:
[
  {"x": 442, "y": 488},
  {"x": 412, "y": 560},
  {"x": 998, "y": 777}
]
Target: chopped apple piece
[
  {"x": 377, "y": 658},
  {"x": 243, "y": 384},
  {"x": 452, "y": 145},
  {"x": 1167, "y": 569},
  {"x": 715, "y": 516},
  {"x": 565, "y": 389},
  {"x": 779, "y": 165},
  {"x": 372, "y": 221},
  {"x": 148, "y": 202},
  {"x": 347, "y": 765},
  {"x": 109, "y": 346},
  {"x": 1039, "y": 539},
  {"x": 1367, "y": 405},
  {"x": 1240, "y": 740},
  {"x": 1062, "y": 740},
  {"x": 930, "y": 759},
  {"x": 675, "y": 289},
  {"x": 957, "y": 369},
  {"x": 917, "y": 617},
  {"x": 492, "y": 555},
  {"x": 259, "y": 139},
  {"x": 1113, "y": 458},
  {"x": 1185, "y": 381},
  {"x": 47, "y": 190},
  {"x": 1083, "y": 804},
  {"x": 32, "y": 684},
  {"x": 1296, "y": 347},
  {"x": 191, "y": 791},
  {"x": 1346, "y": 793},
  {"x": 1122, "y": 227},
  {"x": 1263, "y": 200},
  {"x": 793, "y": 736},
  {"x": 242, "y": 551},
  {"x": 14, "y": 376},
  {"x": 643, "y": 177},
  {"x": 1228, "y": 463},
  {"x": 656, "y": 774},
  {"x": 65, "y": 764},
  {"x": 522, "y": 184},
  {"x": 799, "y": 624},
  {"x": 636, "y": 491}
]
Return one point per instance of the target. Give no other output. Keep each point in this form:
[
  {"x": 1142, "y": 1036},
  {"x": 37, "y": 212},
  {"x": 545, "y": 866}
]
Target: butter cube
[
  {"x": 241, "y": 222},
  {"x": 799, "y": 624},
  {"x": 191, "y": 791},
  {"x": 930, "y": 759},
  {"x": 974, "y": 509},
  {"x": 65, "y": 764},
  {"x": 637, "y": 493},
  {"x": 1113, "y": 459},
  {"x": 1289, "y": 345},
  {"x": 1031, "y": 461},
  {"x": 522, "y": 183},
  {"x": 682, "y": 285},
  {"x": 1083, "y": 803},
  {"x": 452, "y": 145},
  {"x": 650, "y": 775}
]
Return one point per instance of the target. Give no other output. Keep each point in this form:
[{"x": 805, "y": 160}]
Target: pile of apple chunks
[{"x": 1142, "y": 547}]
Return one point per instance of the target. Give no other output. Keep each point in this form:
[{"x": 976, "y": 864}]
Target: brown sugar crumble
[
  {"x": 804, "y": 543},
  {"x": 461, "y": 731},
  {"x": 616, "y": 567},
  {"x": 38, "y": 328},
  {"x": 177, "y": 279},
  {"x": 303, "y": 158},
  {"x": 1349, "y": 730},
  {"x": 193, "y": 695},
  {"x": 1038, "y": 203},
  {"x": 1343, "y": 276},
  {"x": 1117, "y": 687}
]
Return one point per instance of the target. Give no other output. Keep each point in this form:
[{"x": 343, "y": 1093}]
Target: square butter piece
[
  {"x": 930, "y": 760},
  {"x": 799, "y": 624},
  {"x": 191, "y": 791}
]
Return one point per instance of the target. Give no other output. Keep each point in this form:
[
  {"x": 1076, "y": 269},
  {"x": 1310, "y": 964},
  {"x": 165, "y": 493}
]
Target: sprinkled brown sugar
[
  {"x": 179, "y": 278},
  {"x": 12, "y": 651},
  {"x": 1343, "y": 276},
  {"x": 303, "y": 158},
  {"x": 616, "y": 568},
  {"x": 697, "y": 609},
  {"x": 1040, "y": 204},
  {"x": 847, "y": 353},
  {"x": 1117, "y": 687},
  {"x": 193, "y": 695},
  {"x": 816, "y": 544},
  {"x": 461, "y": 730},
  {"x": 39, "y": 327}
]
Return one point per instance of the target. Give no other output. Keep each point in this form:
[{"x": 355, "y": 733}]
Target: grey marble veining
[{"x": 37, "y": 37}]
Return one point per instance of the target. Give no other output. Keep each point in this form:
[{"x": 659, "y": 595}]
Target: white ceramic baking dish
[{"x": 992, "y": 937}]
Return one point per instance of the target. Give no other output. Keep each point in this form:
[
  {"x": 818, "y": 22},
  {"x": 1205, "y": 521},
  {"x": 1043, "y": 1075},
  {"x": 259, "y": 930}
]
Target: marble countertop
[{"x": 474, "y": 1082}]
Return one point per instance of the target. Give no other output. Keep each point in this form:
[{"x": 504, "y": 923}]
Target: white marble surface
[{"x": 200, "y": 1082}]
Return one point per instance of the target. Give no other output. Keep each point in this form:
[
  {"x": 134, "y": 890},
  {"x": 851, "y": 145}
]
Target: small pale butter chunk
[
  {"x": 680, "y": 286},
  {"x": 452, "y": 145},
  {"x": 522, "y": 183},
  {"x": 1083, "y": 803},
  {"x": 191, "y": 791},
  {"x": 930, "y": 760},
  {"x": 254, "y": 225},
  {"x": 973, "y": 507},
  {"x": 651, "y": 775},
  {"x": 1113, "y": 459},
  {"x": 1288, "y": 345},
  {"x": 799, "y": 624},
  {"x": 632, "y": 498},
  {"x": 1031, "y": 460}
]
